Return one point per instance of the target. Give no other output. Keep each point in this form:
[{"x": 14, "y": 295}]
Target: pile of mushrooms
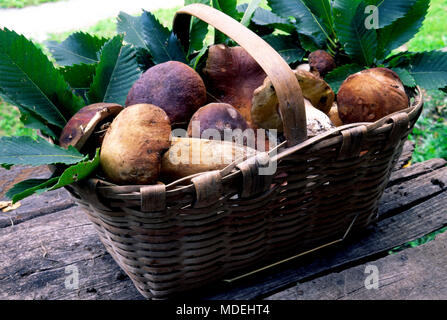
[
  {"x": 318, "y": 99},
  {"x": 231, "y": 76},
  {"x": 231, "y": 94}
]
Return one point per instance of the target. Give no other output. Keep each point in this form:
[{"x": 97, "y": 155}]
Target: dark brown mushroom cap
[
  {"x": 370, "y": 95},
  {"x": 173, "y": 86},
  {"x": 217, "y": 116},
  {"x": 231, "y": 75},
  {"x": 81, "y": 126},
  {"x": 322, "y": 62}
]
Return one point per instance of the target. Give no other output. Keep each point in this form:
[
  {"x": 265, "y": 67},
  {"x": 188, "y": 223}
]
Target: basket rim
[{"x": 232, "y": 173}]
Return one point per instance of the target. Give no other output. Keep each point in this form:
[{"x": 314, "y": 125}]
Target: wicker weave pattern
[
  {"x": 172, "y": 238},
  {"x": 314, "y": 196}
]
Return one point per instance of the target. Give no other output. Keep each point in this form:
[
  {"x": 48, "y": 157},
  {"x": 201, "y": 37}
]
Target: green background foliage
[{"x": 429, "y": 133}]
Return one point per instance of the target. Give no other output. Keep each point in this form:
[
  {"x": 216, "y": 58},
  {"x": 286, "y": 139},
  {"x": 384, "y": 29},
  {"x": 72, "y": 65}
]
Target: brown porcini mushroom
[
  {"x": 222, "y": 118},
  {"x": 83, "y": 124},
  {"x": 370, "y": 95},
  {"x": 173, "y": 86},
  {"x": 322, "y": 62},
  {"x": 316, "y": 90},
  {"x": 266, "y": 115},
  {"x": 231, "y": 75},
  {"x": 134, "y": 144}
]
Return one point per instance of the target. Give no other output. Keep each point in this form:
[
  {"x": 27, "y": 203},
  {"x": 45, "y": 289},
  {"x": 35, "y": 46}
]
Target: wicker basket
[{"x": 171, "y": 238}]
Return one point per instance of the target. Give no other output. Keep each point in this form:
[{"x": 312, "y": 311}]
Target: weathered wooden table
[{"x": 47, "y": 244}]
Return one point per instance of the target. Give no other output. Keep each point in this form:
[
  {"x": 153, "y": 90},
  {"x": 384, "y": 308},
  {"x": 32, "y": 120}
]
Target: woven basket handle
[{"x": 291, "y": 103}]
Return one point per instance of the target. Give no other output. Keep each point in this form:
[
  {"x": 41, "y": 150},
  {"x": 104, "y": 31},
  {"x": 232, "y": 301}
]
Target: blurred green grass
[
  {"x": 10, "y": 124},
  {"x": 429, "y": 133},
  {"x": 433, "y": 34},
  {"x": 22, "y": 3},
  {"x": 107, "y": 27}
]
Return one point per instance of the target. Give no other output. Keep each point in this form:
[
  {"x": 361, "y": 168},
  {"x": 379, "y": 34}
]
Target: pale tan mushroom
[
  {"x": 316, "y": 90},
  {"x": 265, "y": 112},
  {"x": 134, "y": 144},
  {"x": 317, "y": 121}
]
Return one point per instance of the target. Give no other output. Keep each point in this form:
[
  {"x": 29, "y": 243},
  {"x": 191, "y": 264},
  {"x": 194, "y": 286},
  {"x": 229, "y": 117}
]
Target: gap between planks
[
  {"x": 412, "y": 274},
  {"x": 29, "y": 271}
]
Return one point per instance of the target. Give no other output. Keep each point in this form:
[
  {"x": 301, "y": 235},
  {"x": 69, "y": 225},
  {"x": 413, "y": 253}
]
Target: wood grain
[
  {"x": 34, "y": 256},
  {"x": 407, "y": 154},
  {"x": 35, "y": 252},
  {"x": 413, "y": 274},
  {"x": 387, "y": 234},
  {"x": 36, "y": 205},
  {"x": 405, "y": 195}
]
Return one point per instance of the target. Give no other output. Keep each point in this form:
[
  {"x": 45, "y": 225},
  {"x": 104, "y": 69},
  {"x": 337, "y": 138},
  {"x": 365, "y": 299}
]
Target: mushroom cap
[
  {"x": 322, "y": 62},
  {"x": 265, "y": 107},
  {"x": 188, "y": 156},
  {"x": 231, "y": 75},
  {"x": 173, "y": 86},
  {"x": 333, "y": 115},
  {"x": 81, "y": 126},
  {"x": 134, "y": 144},
  {"x": 266, "y": 115},
  {"x": 316, "y": 90},
  {"x": 217, "y": 116},
  {"x": 370, "y": 95}
]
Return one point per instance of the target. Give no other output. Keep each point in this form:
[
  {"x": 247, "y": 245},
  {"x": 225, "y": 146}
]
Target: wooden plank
[
  {"x": 35, "y": 253},
  {"x": 36, "y": 257},
  {"x": 415, "y": 170},
  {"x": 388, "y": 233},
  {"x": 406, "y": 155},
  {"x": 413, "y": 274},
  {"x": 9, "y": 178},
  {"x": 36, "y": 205},
  {"x": 404, "y": 195}
]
